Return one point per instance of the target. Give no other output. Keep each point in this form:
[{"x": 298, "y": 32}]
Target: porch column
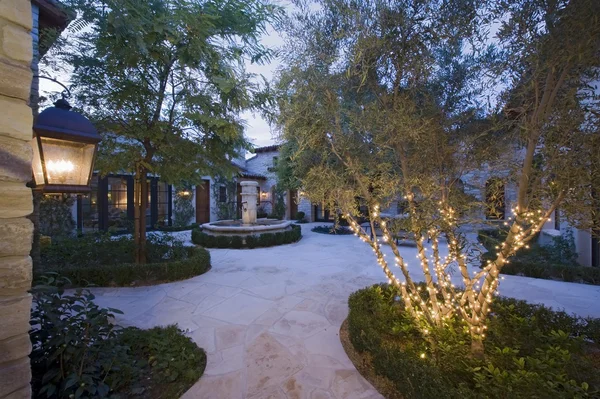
[{"x": 16, "y": 231}]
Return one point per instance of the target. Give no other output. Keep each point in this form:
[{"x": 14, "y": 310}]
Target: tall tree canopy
[
  {"x": 164, "y": 82},
  {"x": 385, "y": 100}
]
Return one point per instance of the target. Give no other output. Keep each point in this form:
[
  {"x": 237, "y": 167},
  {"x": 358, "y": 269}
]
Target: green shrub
[
  {"x": 78, "y": 352},
  {"x": 74, "y": 345},
  {"x": 55, "y": 216},
  {"x": 236, "y": 242},
  {"x": 177, "y": 228},
  {"x": 251, "y": 241},
  {"x": 183, "y": 210},
  {"x": 108, "y": 262},
  {"x": 300, "y": 216},
  {"x": 553, "y": 262},
  {"x": 196, "y": 263},
  {"x": 266, "y": 240},
  {"x": 333, "y": 230},
  {"x": 530, "y": 351},
  {"x": 102, "y": 249},
  {"x": 491, "y": 238}
]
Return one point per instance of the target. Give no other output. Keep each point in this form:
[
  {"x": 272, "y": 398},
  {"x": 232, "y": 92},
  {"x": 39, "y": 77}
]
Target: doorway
[
  {"x": 203, "y": 202},
  {"x": 293, "y": 204}
]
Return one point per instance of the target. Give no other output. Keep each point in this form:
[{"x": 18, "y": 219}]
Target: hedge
[
  {"x": 538, "y": 261},
  {"x": 249, "y": 241},
  {"x": 177, "y": 228},
  {"x": 332, "y": 230},
  {"x": 530, "y": 351},
  {"x": 126, "y": 274}
]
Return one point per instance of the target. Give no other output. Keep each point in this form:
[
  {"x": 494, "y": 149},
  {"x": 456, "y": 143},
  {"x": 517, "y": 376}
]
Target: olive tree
[{"x": 387, "y": 100}]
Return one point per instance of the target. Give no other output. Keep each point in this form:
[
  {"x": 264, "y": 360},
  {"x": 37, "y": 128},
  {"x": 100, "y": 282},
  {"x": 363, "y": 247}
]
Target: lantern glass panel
[
  {"x": 38, "y": 172},
  {"x": 67, "y": 162}
]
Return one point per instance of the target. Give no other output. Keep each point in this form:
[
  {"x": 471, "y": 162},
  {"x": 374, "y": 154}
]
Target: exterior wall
[
  {"x": 16, "y": 201},
  {"x": 262, "y": 164},
  {"x": 306, "y": 206}
]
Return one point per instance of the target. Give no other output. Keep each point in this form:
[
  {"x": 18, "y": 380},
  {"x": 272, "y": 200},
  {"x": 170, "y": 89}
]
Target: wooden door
[
  {"x": 203, "y": 202},
  {"x": 293, "y": 204}
]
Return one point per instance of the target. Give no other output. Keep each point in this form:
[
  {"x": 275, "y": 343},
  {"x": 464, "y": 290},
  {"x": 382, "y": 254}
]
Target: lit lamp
[
  {"x": 185, "y": 194},
  {"x": 64, "y": 150}
]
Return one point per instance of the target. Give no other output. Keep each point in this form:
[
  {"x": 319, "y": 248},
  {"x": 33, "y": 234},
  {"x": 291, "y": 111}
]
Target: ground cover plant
[
  {"x": 250, "y": 241},
  {"x": 530, "y": 350},
  {"x": 102, "y": 260},
  {"x": 334, "y": 230},
  {"x": 77, "y": 351},
  {"x": 556, "y": 261}
]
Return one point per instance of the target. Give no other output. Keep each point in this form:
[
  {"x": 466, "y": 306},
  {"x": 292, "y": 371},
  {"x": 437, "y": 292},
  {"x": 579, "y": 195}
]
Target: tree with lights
[
  {"x": 164, "y": 81},
  {"x": 384, "y": 101}
]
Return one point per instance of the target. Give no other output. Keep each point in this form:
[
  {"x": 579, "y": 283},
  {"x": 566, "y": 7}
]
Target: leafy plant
[
  {"x": 531, "y": 351},
  {"x": 55, "y": 215},
  {"x": 335, "y": 230},
  {"x": 77, "y": 351},
  {"x": 104, "y": 260},
  {"x": 183, "y": 211},
  {"x": 75, "y": 347},
  {"x": 300, "y": 216}
]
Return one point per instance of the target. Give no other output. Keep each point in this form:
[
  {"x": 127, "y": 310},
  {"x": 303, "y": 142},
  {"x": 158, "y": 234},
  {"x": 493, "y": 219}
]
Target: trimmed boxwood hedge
[
  {"x": 249, "y": 241},
  {"x": 104, "y": 261},
  {"x": 127, "y": 274},
  {"x": 177, "y": 228},
  {"x": 530, "y": 351}
]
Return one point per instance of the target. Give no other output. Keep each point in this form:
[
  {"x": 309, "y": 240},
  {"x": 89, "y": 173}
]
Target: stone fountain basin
[{"x": 236, "y": 226}]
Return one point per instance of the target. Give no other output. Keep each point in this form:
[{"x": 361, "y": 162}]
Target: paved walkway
[{"x": 269, "y": 318}]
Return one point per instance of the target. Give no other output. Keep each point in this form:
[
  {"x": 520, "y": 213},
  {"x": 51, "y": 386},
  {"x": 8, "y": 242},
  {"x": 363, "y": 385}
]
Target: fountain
[{"x": 249, "y": 224}]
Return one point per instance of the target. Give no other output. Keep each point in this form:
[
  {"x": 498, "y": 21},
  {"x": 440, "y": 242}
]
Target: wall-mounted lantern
[
  {"x": 64, "y": 150},
  {"x": 185, "y": 194}
]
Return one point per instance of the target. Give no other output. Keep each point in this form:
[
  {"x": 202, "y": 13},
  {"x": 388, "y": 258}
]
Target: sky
[{"x": 258, "y": 131}]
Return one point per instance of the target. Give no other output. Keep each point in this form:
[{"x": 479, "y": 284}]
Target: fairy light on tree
[{"x": 374, "y": 117}]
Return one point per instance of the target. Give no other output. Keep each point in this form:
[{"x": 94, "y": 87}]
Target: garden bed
[
  {"x": 104, "y": 261},
  {"x": 556, "y": 261},
  {"x": 77, "y": 351},
  {"x": 530, "y": 352},
  {"x": 332, "y": 230},
  {"x": 206, "y": 240}
]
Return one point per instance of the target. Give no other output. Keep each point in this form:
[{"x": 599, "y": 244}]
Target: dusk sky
[{"x": 258, "y": 130}]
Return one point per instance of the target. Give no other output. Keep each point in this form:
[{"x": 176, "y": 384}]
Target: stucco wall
[{"x": 16, "y": 201}]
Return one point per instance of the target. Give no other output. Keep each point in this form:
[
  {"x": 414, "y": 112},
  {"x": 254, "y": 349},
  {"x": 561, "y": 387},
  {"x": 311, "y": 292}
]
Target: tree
[
  {"x": 389, "y": 95},
  {"x": 164, "y": 82}
]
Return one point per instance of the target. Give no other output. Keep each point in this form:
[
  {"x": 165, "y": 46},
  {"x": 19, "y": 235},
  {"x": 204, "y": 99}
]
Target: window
[
  {"x": 162, "y": 204},
  {"x": 494, "y": 199},
  {"x": 222, "y": 194}
]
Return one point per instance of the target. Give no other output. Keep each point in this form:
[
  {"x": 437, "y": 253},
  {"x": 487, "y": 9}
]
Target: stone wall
[{"x": 15, "y": 202}]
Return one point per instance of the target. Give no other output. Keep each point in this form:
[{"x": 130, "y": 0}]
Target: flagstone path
[{"x": 269, "y": 318}]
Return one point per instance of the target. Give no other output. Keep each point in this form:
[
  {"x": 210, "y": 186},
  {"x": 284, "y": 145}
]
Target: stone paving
[{"x": 269, "y": 318}]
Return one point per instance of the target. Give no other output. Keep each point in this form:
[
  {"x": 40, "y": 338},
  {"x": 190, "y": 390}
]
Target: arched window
[{"x": 495, "y": 199}]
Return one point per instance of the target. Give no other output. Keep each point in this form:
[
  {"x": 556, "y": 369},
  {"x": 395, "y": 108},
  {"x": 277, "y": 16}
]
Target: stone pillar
[
  {"x": 15, "y": 201},
  {"x": 249, "y": 194}
]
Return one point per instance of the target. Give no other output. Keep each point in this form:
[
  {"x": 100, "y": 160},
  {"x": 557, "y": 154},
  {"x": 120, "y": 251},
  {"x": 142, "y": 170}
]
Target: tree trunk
[
  {"x": 141, "y": 203},
  {"x": 477, "y": 346}
]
